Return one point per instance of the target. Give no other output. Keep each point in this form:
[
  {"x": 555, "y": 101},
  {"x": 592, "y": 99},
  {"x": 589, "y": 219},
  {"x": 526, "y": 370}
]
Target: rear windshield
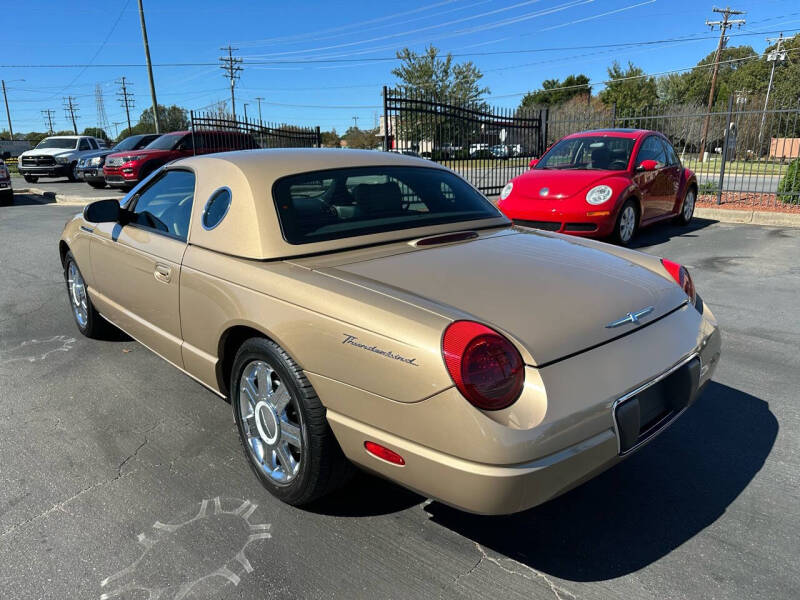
[
  {"x": 342, "y": 203},
  {"x": 166, "y": 142}
]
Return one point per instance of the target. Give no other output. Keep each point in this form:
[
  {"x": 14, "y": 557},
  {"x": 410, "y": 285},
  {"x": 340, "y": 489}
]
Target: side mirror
[
  {"x": 533, "y": 163},
  {"x": 103, "y": 211},
  {"x": 647, "y": 165}
]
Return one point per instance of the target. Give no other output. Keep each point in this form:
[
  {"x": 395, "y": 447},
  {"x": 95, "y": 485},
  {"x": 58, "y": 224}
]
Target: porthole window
[{"x": 216, "y": 208}]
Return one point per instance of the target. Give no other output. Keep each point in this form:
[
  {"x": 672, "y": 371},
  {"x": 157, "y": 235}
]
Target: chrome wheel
[
  {"x": 688, "y": 206},
  {"x": 627, "y": 223},
  {"x": 77, "y": 294},
  {"x": 271, "y": 422}
]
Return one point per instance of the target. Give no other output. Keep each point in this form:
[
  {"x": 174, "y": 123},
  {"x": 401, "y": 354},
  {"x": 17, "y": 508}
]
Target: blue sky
[{"x": 516, "y": 43}]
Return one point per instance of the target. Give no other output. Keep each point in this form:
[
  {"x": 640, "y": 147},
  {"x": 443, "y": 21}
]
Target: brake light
[
  {"x": 681, "y": 277},
  {"x": 486, "y": 368}
]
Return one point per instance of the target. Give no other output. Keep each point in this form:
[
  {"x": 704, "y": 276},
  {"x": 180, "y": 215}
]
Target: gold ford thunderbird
[{"x": 375, "y": 309}]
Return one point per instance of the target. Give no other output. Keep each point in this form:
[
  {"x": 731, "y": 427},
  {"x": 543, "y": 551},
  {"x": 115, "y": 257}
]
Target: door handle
[{"x": 163, "y": 273}]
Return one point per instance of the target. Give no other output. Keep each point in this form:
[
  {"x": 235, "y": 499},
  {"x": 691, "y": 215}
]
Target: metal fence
[
  {"x": 748, "y": 150},
  {"x": 215, "y": 132},
  {"x": 488, "y": 146}
]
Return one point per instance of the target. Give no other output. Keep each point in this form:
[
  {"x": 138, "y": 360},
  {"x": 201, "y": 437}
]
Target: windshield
[
  {"x": 341, "y": 203},
  {"x": 599, "y": 153},
  {"x": 134, "y": 142},
  {"x": 64, "y": 143},
  {"x": 166, "y": 142}
]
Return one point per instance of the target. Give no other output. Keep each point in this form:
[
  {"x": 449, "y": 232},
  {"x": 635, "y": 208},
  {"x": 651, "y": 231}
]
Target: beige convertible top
[{"x": 251, "y": 228}]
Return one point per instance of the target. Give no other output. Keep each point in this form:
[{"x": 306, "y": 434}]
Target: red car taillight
[
  {"x": 486, "y": 368},
  {"x": 681, "y": 277}
]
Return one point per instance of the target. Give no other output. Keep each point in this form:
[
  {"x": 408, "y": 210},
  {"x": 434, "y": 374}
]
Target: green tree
[
  {"x": 330, "y": 139},
  {"x": 555, "y": 92},
  {"x": 429, "y": 74},
  {"x": 361, "y": 138},
  {"x": 630, "y": 88},
  {"x": 172, "y": 118},
  {"x": 95, "y": 132}
]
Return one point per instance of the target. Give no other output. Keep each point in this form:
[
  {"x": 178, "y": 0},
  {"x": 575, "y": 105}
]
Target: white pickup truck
[{"x": 57, "y": 156}]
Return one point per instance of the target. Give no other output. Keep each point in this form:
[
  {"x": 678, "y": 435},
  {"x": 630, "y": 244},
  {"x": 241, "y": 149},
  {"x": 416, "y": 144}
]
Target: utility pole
[
  {"x": 48, "y": 119},
  {"x": 8, "y": 113},
  {"x": 125, "y": 99},
  {"x": 149, "y": 69},
  {"x": 259, "y": 100},
  {"x": 116, "y": 125},
  {"x": 245, "y": 111},
  {"x": 70, "y": 108},
  {"x": 355, "y": 122},
  {"x": 230, "y": 65},
  {"x": 776, "y": 55},
  {"x": 723, "y": 25},
  {"x": 102, "y": 119}
]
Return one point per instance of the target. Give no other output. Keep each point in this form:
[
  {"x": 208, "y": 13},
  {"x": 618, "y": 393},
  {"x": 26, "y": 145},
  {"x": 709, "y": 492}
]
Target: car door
[
  {"x": 673, "y": 171},
  {"x": 653, "y": 184},
  {"x": 136, "y": 266}
]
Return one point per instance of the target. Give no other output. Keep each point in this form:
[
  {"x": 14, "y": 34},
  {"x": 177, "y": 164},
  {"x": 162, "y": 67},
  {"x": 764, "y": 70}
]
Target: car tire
[
  {"x": 626, "y": 224},
  {"x": 687, "y": 207},
  {"x": 282, "y": 426},
  {"x": 88, "y": 320},
  {"x": 72, "y": 175},
  {"x": 31, "y": 178},
  {"x": 98, "y": 185}
]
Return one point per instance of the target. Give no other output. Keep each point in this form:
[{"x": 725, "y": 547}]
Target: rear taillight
[
  {"x": 681, "y": 277},
  {"x": 486, "y": 368}
]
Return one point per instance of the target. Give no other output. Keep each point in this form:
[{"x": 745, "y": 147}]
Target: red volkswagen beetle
[{"x": 603, "y": 183}]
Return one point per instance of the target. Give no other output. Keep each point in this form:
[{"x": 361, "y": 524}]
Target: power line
[
  {"x": 230, "y": 65},
  {"x": 70, "y": 108},
  {"x": 126, "y": 99},
  {"x": 725, "y": 24}
]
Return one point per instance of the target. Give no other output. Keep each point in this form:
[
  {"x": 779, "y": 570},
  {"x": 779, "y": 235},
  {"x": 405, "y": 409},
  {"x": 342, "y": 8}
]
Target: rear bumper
[{"x": 475, "y": 487}]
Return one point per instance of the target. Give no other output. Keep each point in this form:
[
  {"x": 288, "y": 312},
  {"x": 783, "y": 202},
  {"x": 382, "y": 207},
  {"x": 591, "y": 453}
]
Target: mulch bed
[{"x": 745, "y": 201}]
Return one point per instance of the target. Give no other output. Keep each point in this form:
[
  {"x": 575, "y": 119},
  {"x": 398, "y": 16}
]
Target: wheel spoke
[
  {"x": 264, "y": 377},
  {"x": 279, "y": 399},
  {"x": 291, "y": 434},
  {"x": 286, "y": 459},
  {"x": 252, "y": 428},
  {"x": 250, "y": 390}
]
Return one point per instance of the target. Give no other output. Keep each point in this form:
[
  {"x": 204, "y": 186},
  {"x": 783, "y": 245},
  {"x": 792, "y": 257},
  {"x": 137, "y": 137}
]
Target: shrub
[
  {"x": 707, "y": 187},
  {"x": 789, "y": 186}
]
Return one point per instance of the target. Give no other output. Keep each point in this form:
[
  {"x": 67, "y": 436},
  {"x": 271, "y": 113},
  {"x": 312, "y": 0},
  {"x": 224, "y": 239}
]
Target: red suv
[{"x": 126, "y": 169}]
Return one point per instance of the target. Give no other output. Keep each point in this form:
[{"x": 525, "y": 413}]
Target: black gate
[
  {"x": 486, "y": 145},
  {"x": 220, "y": 133}
]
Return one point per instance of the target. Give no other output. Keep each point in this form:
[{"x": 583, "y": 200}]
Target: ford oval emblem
[{"x": 544, "y": 191}]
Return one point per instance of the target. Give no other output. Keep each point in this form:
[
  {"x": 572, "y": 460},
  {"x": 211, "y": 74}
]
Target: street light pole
[
  {"x": 778, "y": 54},
  {"x": 149, "y": 68},
  {"x": 259, "y": 99}
]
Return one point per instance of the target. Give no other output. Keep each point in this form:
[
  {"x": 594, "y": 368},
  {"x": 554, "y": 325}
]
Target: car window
[
  {"x": 166, "y": 204},
  {"x": 672, "y": 158},
  {"x": 84, "y": 144},
  {"x": 652, "y": 149},
  {"x": 342, "y": 203},
  {"x": 93, "y": 144}
]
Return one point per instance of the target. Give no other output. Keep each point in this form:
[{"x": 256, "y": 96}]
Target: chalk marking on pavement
[{"x": 36, "y": 350}]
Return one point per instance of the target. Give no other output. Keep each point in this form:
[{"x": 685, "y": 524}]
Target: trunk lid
[{"x": 551, "y": 294}]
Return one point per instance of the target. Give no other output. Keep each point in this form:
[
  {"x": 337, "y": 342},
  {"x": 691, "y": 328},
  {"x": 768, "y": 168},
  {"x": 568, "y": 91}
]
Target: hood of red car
[
  {"x": 559, "y": 183},
  {"x": 143, "y": 152}
]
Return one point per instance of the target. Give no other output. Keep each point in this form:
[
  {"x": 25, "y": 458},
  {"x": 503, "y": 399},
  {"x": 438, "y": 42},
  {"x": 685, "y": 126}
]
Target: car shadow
[
  {"x": 30, "y": 200},
  {"x": 366, "y": 495},
  {"x": 645, "y": 507},
  {"x": 663, "y": 232}
]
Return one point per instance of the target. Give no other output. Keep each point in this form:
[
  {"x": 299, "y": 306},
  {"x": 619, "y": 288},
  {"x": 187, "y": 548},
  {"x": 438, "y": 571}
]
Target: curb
[
  {"x": 751, "y": 217},
  {"x": 58, "y": 198}
]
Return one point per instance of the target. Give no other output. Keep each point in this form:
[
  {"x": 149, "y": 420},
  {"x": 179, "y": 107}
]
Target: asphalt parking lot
[
  {"x": 121, "y": 477},
  {"x": 65, "y": 189}
]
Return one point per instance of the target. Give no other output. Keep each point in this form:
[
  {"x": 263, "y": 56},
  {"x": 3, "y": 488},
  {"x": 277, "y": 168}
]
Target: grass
[{"x": 734, "y": 167}]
